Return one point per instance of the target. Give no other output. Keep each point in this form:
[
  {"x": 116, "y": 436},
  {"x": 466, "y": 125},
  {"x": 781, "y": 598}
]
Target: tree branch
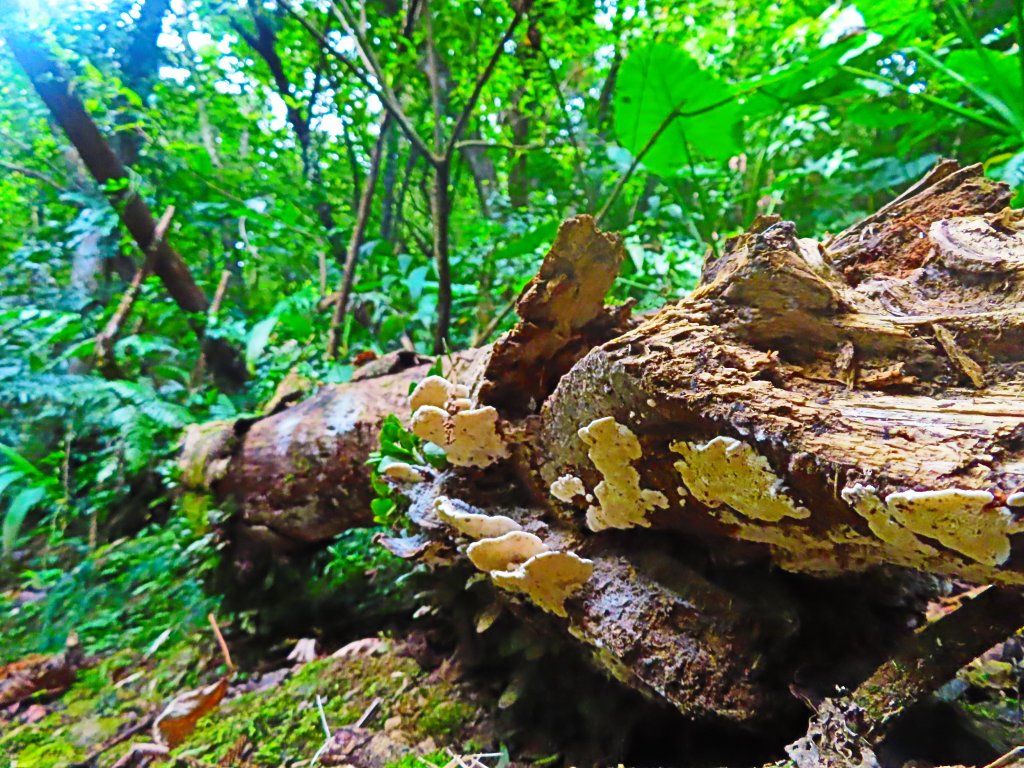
[
  {"x": 383, "y": 90},
  {"x": 669, "y": 119},
  {"x": 106, "y": 337},
  {"x": 482, "y": 78},
  {"x": 32, "y": 174}
]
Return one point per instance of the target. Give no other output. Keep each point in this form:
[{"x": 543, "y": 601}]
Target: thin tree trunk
[
  {"x": 440, "y": 209},
  {"x": 440, "y": 200},
  {"x": 356, "y": 241},
  {"x": 387, "y": 204}
]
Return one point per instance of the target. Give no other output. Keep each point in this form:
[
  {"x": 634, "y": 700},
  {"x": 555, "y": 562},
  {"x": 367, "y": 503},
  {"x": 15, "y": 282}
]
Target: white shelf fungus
[
  {"x": 436, "y": 391},
  {"x": 404, "y": 473},
  {"x": 548, "y": 579},
  {"x": 444, "y": 416},
  {"x": 505, "y": 552},
  {"x": 473, "y": 524},
  {"x": 961, "y": 520},
  {"x": 567, "y": 487}
]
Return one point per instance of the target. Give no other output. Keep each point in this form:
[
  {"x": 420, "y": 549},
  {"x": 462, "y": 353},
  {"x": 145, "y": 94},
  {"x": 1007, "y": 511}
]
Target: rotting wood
[{"x": 801, "y": 411}]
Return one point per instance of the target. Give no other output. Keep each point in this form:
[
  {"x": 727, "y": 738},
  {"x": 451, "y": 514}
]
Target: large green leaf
[
  {"x": 259, "y": 336},
  {"x": 20, "y": 507},
  {"x": 898, "y": 20},
  {"x": 656, "y": 81}
]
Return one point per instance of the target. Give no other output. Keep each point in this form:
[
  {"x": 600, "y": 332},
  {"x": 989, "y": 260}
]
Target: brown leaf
[
  {"x": 179, "y": 718},
  {"x": 35, "y": 713},
  {"x": 38, "y": 673}
]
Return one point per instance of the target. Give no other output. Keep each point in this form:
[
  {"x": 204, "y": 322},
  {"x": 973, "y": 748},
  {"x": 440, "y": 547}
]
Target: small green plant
[{"x": 397, "y": 444}]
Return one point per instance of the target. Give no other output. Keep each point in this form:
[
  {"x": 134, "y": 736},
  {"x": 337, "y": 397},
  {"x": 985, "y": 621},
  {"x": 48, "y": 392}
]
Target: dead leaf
[
  {"x": 304, "y": 651},
  {"x": 179, "y": 718},
  {"x": 38, "y": 673},
  {"x": 364, "y": 357},
  {"x": 364, "y": 647}
]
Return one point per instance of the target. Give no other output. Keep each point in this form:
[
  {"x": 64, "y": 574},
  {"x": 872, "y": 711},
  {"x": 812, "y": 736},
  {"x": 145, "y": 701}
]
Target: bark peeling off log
[
  {"x": 831, "y": 475},
  {"x": 562, "y": 315}
]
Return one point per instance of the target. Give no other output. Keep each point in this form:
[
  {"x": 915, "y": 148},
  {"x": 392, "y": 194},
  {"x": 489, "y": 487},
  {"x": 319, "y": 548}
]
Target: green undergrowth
[
  {"x": 122, "y": 595},
  {"x": 111, "y": 694},
  {"x": 139, "y": 606}
]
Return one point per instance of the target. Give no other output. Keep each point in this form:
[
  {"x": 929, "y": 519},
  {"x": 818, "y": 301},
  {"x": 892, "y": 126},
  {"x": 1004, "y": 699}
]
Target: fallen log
[
  {"x": 299, "y": 475},
  {"x": 691, "y": 495}
]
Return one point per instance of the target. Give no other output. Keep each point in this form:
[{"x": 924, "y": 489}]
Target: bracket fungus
[
  {"x": 567, "y": 487},
  {"x": 473, "y": 524},
  {"x": 444, "y": 416},
  {"x": 436, "y": 391},
  {"x": 403, "y": 472},
  {"x": 505, "y": 552},
  {"x": 548, "y": 579},
  {"x": 623, "y": 503},
  {"x": 964, "y": 521},
  {"x": 727, "y": 471}
]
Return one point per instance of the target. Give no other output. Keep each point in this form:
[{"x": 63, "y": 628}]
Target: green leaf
[
  {"x": 20, "y": 463},
  {"x": 258, "y": 338},
  {"x": 898, "y": 19},
  {"x": 658, "y": 80},
  {"x": 415, "y": 281},
  {"x": 392, "y": 328},
  {"x": 8, "y": 477},
  {"x": 16, "y": 513},
  {"x": 541, "y": 235}
]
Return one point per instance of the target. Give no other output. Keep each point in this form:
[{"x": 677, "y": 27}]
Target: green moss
[
  {"x": 443, "y": 719},
  {"x": 281, "y": 721},
  {"x": 439, "y": 758}
]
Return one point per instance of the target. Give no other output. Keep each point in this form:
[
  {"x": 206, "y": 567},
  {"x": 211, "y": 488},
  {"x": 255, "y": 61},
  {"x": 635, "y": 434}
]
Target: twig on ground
[{"x": 220, "y": 641}]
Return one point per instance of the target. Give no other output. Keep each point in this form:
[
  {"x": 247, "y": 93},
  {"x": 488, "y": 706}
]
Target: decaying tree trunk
[{"x": 733, "y": 494}]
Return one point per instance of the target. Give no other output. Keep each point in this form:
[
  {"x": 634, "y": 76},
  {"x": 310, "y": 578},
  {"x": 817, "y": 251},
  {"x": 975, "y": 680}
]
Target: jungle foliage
[{"x": 465, "y": 131}]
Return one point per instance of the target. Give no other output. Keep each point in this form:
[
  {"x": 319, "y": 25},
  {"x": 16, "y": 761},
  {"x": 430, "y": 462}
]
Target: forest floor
[{"x": 421, "y": 691}]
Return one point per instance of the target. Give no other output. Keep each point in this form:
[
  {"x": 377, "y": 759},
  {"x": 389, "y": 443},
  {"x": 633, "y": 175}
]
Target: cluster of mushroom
[
  {"x": 444, "y": 414},
  {"x": 515, "y": 559}
]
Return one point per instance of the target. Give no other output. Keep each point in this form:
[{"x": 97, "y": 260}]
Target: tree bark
[{"x": 737, "y": 494}]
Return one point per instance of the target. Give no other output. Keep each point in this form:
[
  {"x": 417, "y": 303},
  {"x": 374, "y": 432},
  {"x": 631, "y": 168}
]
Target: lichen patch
[
  {"x": 623, "y": 503},
  {"x": 725, "y": 471},
  {"x": 567, "y": 487}
]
